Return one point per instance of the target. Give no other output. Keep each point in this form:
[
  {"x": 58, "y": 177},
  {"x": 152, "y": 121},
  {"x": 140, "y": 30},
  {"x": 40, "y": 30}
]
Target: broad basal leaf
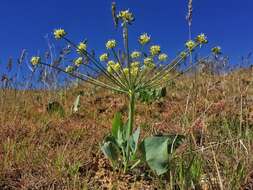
[{"x": 156, "y": 151}]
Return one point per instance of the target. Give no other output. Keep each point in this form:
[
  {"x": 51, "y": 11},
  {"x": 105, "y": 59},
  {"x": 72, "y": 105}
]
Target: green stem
[{"x": 131, "y": 112}]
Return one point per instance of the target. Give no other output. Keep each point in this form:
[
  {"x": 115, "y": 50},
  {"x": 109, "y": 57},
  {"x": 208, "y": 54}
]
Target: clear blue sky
[{"x": 24, "y": 23}]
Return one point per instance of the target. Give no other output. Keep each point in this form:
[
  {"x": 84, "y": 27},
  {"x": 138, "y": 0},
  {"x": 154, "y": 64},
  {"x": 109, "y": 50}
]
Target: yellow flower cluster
[
  {"x": 144, "y": 39},
  {"x": 135, "y": 64},
  {"x": 103, "y": 57},
  {"x": 135, "y": 54},
  {"x": 126, "y": 71},
  {"x": 190, "y": 45},
  {"x": 133, "y": 71},
  {"x": 35, "y": 60},
  {"x": 162, "y": 57},
  {"x": 201, "y": 38},
  {"x": 216, "y": 50},
  {"x": 113, "y": 67},
  {"x": 81, "y": 48},
  {"x": 166, "y": 77},
  {"x": 149, "y": 62},
  {"x": 155, "y": 50},
  {"x": 110, "y": 63},
  {"x": 78, "y": 61},
  {"x": 126, "y": 16},
  {"x": 111, "y": 44},
  {"x": 69, "y": 69},
  {"x": 183, "y": 55},
  {"x": 59, "y": 33}
]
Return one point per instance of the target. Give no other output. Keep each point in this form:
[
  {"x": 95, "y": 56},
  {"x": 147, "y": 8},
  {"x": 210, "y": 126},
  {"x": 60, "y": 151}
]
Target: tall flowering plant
[{"x": 128, "y": 72}]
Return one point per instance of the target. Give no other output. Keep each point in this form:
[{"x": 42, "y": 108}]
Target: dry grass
[{"x": 39, "y": 150}]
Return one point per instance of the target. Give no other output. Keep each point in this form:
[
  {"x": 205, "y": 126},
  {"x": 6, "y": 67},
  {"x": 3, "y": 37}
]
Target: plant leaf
[
  {"x": 156, "y": 150},
  {"x": 133, "y": 141},
  {"x": 116, "y": 124},
  {"x": 110, "y": 150}
]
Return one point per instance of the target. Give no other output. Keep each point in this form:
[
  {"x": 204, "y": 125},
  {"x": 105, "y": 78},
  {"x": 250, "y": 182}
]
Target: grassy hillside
[{"x": 42, "y": 148}]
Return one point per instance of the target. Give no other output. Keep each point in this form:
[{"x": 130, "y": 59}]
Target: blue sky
[{"x": 24, "y": 23}]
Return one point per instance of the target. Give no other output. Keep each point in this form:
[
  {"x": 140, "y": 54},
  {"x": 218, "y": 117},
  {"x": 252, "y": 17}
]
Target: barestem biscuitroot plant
[{"x": 130, "y": 73}]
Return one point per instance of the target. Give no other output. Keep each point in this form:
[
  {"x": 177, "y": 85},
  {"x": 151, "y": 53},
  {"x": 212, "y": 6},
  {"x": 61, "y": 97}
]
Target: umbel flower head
[
  {"x": 69, "y": 69},
  {"x": 155, "y": 50},
  {"x": 104, "y": 57},
  {"x": 190, "y": 45},
  {"x": 134, "y": 71},
  {"x": 126, "y": 16},
  {"x": 135, "y": 54},
  {"x": 201, "y": 38},
  {"x": 149, "y": 62},
  {"x": 216, "y": 50},
  {"x": 162, "y": 57},
  {"x": 35, "y": 60},
  {"x": 59, "y": 33},
  {"x": 82, "y": 47},
  {"x": 112, "y": 66},
  {"x": 144, "y": 39},
  {"x": 110, "y": 44},
  {"x": 135, "y": 64},
  {"x": 110, "y": 63},
  {"x": 78, "y": 61},
  {"x": 183, "y": 55}
]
